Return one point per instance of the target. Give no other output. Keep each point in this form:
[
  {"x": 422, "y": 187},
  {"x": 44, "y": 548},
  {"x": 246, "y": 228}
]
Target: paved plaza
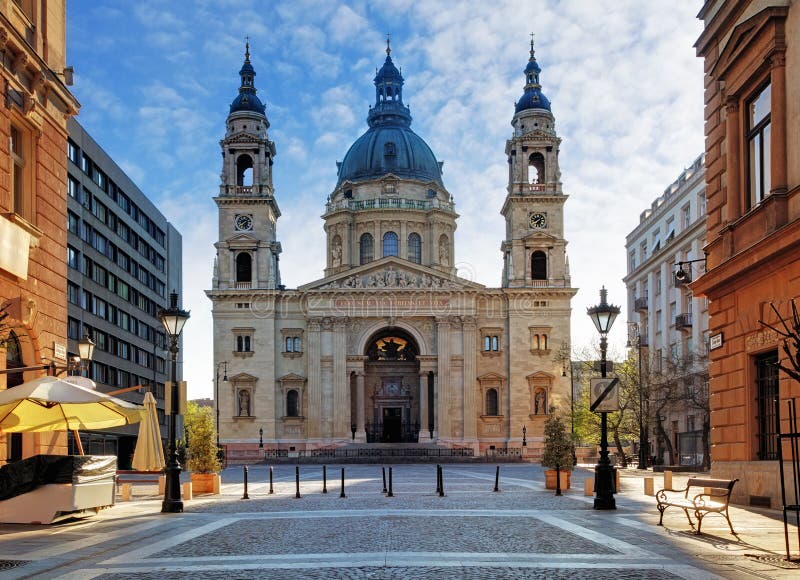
[{"x": 522, "y": 531}]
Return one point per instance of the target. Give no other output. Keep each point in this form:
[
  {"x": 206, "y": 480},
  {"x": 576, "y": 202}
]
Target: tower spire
[
  {"x": 247, "y": 48},
  {"x": 388, "y": 44}
]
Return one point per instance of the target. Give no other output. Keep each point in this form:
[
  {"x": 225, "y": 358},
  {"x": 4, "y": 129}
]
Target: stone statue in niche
[
  {"x": 540, "y": 403},
  {"x": 336, "y": 252},
  {"x": 444, "y": 252},
  {"x": 244, "y": 403}
]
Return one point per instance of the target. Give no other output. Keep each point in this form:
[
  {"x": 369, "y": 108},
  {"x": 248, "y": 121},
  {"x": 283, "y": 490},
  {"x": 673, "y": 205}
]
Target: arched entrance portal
[{"x": 392, "y": 387}]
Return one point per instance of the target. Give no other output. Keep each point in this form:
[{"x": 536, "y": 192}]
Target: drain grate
[
  {"x": 777, "y": 561},
  {"x": 9, "y": 564}
]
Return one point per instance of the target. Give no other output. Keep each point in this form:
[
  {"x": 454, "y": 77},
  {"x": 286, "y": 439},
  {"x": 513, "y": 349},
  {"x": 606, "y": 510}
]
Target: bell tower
[
  {"x": 534, "y": 251},
  {"x": 247, "y": 250}
]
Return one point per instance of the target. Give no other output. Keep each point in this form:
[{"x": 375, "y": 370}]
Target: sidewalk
[{"x": 523, "y": 531}]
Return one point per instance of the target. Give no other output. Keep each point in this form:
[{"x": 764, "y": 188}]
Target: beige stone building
[{"x": 390, "y": 345}]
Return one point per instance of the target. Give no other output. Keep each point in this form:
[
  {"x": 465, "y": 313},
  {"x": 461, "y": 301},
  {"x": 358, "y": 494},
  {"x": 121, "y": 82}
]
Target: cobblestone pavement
[{"x": 522, "y": 531}]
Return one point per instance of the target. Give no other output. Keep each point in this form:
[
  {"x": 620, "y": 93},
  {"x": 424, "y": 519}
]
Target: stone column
[
  {"x": 341, "y": 384},
  {"x": 361, "y": 432},
  {"x": 424, "y": 421},
  {"x": 777, "y": 78},
  {"x": 314, "y": 380},
  {"x": 435, "y": 409},
  {"x": 443, "y": 402},
  {"x": 470, "y": 378},
  {"x": 733, "y": 168}
]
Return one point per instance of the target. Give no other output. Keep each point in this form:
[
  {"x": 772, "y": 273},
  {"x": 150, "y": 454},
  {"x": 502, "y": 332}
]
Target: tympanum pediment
[{"x": 394, "y": 274}]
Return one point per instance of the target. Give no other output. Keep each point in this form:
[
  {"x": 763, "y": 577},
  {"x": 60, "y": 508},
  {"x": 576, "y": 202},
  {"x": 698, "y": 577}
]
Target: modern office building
[
  {"x": 668, "y": 324},
  {"x": 33, "y": 208},
  {"x": 390, "y": 346},
  {"x": 123, "y": 258},
  {"x": 752, "y": 64}
]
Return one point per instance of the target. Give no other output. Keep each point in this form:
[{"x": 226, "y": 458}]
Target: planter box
[
  {"x": 550, "y": 479},
  {"x": 205, "y": 483}
]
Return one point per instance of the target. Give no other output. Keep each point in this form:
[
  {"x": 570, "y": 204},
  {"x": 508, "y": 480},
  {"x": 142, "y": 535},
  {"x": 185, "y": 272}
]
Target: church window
[
  {"x": 490, "y": 343},
  {"x": 758, "y": 146},
  {"x": 390, "y": 244},
  {"x": 243, "y": 343},
  {"x": 538, "y": 265},
  {"x": 366, "y": 249},
  {"x": 389, "y": 149},
  {"x": 389, "y": 187},
  {"x": 244, "y": 171},
  {"x": 414, "y": 248},
  {"x": 491, "y": 402},
  {"x": 292, "y": 403},
  {"x": 536, "y": 168},
  {"x": 244, "y": 267}
]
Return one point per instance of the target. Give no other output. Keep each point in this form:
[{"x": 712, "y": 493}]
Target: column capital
[
  {"x": 777, "y": 59},
  {"x": 731, "y": 106},
  {"x": 314, "y": 324}
]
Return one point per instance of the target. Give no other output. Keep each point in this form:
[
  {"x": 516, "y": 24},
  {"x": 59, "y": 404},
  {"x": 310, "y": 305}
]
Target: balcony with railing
[
  {"x": 535, "y": 188},
  {"x": 388, "y": 203},
  {"x": 640, "y": 304},
  {"x": 683, "y": 321},
  {"x": 245, "y": 190}
]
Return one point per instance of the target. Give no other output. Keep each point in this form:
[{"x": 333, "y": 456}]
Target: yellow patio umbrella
[
  {"x": 53, "y": 404},
  {"x": 149, "y": 453}
]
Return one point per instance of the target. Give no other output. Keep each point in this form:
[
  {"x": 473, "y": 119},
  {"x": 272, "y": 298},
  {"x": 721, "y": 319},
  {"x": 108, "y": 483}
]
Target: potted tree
[
  {"x": 558, "y": 451},
  {"x": 201, "y": 449}
]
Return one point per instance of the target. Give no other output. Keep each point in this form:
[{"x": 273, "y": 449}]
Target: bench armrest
[{"x": 666, "y": 495}]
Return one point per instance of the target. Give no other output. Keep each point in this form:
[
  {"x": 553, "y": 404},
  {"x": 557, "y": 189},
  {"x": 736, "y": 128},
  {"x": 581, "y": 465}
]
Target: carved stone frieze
[{"x": 391, "y": 278}]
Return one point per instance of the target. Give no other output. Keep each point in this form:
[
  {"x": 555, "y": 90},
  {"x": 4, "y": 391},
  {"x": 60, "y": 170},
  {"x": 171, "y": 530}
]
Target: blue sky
[{"x": 155, "y": 79}]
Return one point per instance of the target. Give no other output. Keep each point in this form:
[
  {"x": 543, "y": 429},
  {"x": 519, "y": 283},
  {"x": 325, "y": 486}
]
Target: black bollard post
[
  {"x": 390, "y": 494},
  {"x": 558, "y": 479},
  {"x": 324, "y": 479},
  {"x": 383, "y": 470},
  {"x": 497, "y": 479},
  {"x": 245, "y": 496},
  {"x": 441, "y": 481},
  {"x": 342, "y": 494},
  {"x": 438, "y": 481},
  {"x": 297, "y": 481},
  {"x": 271, "y": 491}
]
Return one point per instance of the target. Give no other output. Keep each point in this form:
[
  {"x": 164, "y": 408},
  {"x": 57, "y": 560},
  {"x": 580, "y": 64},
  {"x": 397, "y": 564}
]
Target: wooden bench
[
  {"x": 702, "y": 496},
  {"x": 133, "y": 476}
]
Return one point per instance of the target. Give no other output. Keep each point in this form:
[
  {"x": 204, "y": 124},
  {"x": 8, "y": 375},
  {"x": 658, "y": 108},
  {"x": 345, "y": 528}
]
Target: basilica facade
[{"x": 390, "y": 345}]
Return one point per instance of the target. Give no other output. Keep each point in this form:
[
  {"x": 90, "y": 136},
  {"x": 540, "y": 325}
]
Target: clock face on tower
[
  {"x": 538, "y": 220},
  {"x": 244, "y": 223}
]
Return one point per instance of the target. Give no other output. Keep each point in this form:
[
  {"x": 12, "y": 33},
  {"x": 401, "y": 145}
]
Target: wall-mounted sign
[
  {"x": 604, "y": 395},
  {"x": 715, "y": 341},
  {"x": 59, "y": 351}
]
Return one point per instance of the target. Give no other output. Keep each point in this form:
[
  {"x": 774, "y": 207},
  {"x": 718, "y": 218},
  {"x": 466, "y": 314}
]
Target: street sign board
[{"x": 604, "y": 395}]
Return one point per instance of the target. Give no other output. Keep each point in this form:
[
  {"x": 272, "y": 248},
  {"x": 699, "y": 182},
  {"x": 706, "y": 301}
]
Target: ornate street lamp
[
  {"x": 603, "y": 316},
  {"x": 173, "y": 319},
  {"x": 524, "y": 433},
  {"x": 261, "y": 438},
  {"x": 635, "y": 339},
  {"x": 224, "y": 365}
]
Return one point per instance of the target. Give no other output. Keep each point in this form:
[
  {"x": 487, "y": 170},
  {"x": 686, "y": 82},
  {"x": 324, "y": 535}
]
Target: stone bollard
[
  {"x": 126, "y": 492},
  {"x": 649, "y": 486},
  {"x": 668, "y": 480},
  {"x": 162, "y": 484},
  {"x": 187, "y": 490},
  {"x": 216, "y": 484},
  {"x": 588, "y": 487}
]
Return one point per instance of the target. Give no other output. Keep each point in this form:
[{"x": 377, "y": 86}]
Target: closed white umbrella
[{"x": 149, "y": 453}]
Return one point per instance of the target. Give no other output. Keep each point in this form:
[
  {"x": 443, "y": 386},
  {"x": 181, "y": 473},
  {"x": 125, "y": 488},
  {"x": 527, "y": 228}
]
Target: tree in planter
[
  {"x": 201, "y": 436},
  {"x": 558, "y": 445}
]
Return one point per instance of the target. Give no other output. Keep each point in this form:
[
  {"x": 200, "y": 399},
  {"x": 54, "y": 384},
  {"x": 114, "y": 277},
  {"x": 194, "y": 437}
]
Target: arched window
[
  {"x": 491, "y": 402},
  {"x": 244, "y": 267},
  {"x": 292, "y": 403},
  {"x": 414, "y": 248},
  {"x": 244, "y": 171},
  {"x": 367, "y": 253},
  {"x": 389, "y": 149},
  {"x": 539, "y": 265},
  {"x": 13, "y": 360},
  {"x": 390, "y": 244},
  {"x": 536, "y": 168},
  {"x": 296, "y": 344}
]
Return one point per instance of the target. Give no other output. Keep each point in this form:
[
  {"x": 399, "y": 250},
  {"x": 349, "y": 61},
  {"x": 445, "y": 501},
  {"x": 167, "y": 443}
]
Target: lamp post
[
  {"x": 524, "y": 434},
  {"x": 224, "y": 365},
  {"x": 635, "y": 339},
  {"x": 603, "y": 316},
  {"x": 173, "y": 319},
  {"x": 261, "y": 438}
]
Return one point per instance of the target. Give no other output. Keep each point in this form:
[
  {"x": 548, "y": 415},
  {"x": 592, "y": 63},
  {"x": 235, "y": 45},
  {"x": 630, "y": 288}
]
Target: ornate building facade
[{"x": 390, "y": 345}]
